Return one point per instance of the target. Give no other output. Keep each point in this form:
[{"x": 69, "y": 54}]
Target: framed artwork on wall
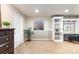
[
  {"x": 39, "y": 24},
  {"x": 67, "y": 27}
]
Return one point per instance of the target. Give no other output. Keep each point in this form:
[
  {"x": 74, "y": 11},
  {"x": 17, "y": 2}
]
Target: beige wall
[
  {"x": 42, "y": 34},
  {"x": 6, "y": 14},
  {"x": 0, "y": 17}
]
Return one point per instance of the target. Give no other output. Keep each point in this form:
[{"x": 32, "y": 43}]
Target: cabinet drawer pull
[
  {"x": 10, "y": 32},
  {"x": 7, "y": 39},
  {"x": 7, "y": 46}
]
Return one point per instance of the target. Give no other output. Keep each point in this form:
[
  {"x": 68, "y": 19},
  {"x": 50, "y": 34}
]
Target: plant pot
[{"x": 29, "y": 39}]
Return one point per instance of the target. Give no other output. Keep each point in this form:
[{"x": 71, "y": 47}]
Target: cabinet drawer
[
  {"x": 10, "y": 38},
  {"x": 2, "y": 33},
  {"x": 6, "y": 46},
  {"x": 5, "y": 39},
  {"x": 9, "y": 32},
  {"x": 9, "y": 51}
]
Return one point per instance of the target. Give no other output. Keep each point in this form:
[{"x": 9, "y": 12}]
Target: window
[{"x": 38, "y": 24}]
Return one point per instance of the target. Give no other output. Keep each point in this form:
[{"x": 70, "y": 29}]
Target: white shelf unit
[{"x": 57, "y": 29}]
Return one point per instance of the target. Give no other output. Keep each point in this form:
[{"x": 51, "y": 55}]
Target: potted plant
[
  {"x": 6, "y": 24},
  {"x": 28, "y": 33}
]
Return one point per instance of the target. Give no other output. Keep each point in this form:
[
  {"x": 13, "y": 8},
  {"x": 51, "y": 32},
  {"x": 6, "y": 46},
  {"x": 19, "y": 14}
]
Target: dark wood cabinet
[{"x": 6, "y": 41}]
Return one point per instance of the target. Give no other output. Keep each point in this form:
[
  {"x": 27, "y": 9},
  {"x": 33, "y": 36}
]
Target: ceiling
[{"x": 47, "y": 9}]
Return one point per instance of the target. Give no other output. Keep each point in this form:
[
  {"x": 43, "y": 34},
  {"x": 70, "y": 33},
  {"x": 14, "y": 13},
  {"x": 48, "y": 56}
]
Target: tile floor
[{"x": 46, "y": 47}]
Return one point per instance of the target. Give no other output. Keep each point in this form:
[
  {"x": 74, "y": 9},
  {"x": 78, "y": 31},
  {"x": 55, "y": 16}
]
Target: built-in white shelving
[{"x": 57, "y": 28}]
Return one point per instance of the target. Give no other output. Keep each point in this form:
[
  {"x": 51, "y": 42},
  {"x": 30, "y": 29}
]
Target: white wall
[
  {"x": 77, "y": 26},
  {"x": 42, "y": 34},
  {"x": 16, "y": 19},
  {"x": 18, "y": 25}
]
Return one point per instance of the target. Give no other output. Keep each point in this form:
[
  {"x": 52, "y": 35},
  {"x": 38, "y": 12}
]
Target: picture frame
[{"x": 67, "y": 27}]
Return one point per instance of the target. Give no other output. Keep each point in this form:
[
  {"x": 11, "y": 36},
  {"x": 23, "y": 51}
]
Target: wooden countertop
[{"x": 7, "y": 28}]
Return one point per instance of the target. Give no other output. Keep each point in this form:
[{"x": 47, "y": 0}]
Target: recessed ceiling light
[
  {"x": 36, "y": 11},
  {"x": 67, "y": 10}
]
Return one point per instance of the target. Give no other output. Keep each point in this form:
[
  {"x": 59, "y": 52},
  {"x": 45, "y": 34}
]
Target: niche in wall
[{"x": 69, "y": 26}]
